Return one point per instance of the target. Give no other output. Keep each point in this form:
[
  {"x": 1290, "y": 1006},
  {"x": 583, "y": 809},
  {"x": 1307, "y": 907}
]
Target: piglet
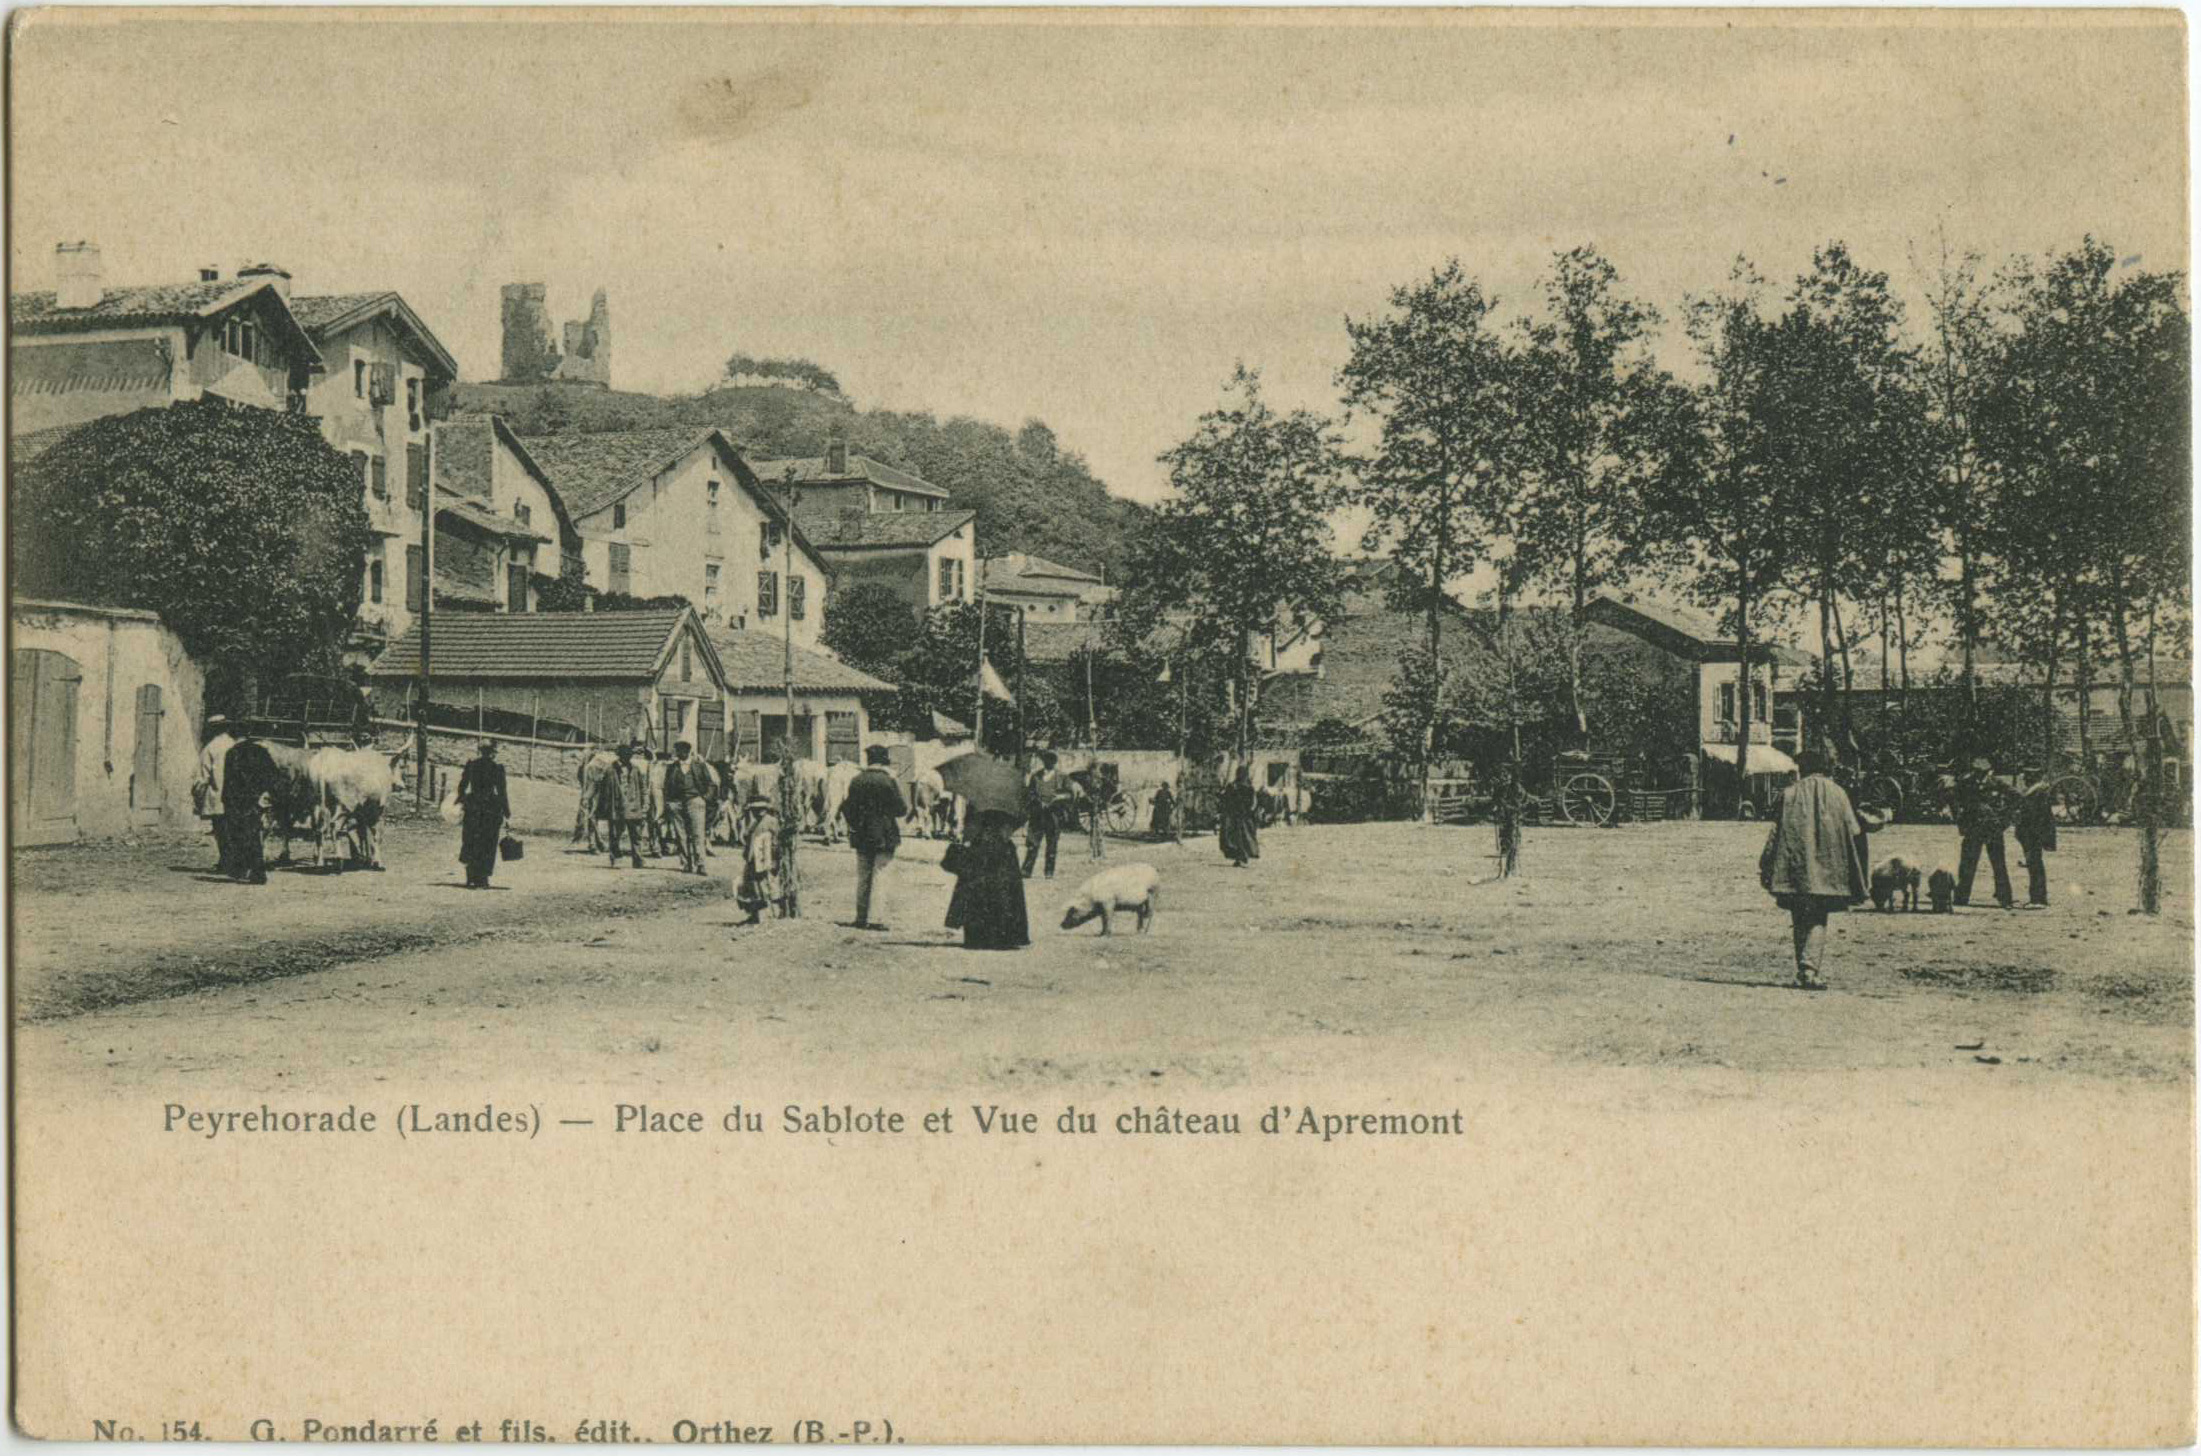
[
  {"x": 1125, "y": 887},
  {"x": 1941, "y": 889}
]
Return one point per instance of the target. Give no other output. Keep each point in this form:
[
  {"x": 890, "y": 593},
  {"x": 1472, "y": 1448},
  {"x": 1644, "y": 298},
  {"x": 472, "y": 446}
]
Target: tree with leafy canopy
[
  {"x": 799, "y": 372},
  {"x": 1715, "y": 522},
  {"x": 242, "y": 528},
  {"x": 1243, "y": 548},
  {"x": 938, "y": 674},
  {"x": 1441, "y": 386},
  {"x": 869, "y": 625}
]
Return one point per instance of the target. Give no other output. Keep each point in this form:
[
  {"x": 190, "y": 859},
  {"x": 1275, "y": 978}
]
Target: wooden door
[
  {"x": 43, "y": 717},
  {"x": 148, "y": 792}
]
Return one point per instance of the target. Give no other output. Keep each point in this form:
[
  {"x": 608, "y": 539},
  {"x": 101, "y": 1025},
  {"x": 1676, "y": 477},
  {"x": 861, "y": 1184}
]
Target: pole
[
  {"x": 788, "y": 798},
  {"x": 1092, "y": 739},
  {"x": 427, "y": 611},
  {"x": 978, "y": 719},
  {"x": 1021, "y": 748},
  {"x": 1184, "y": 729}
]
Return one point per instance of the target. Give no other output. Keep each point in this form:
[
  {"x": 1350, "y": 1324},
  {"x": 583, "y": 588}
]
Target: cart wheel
[
  {"x": 1123, "y": 815},
  {"x": 2073, "y": 799},
  {"x": 1884, "y": 791},
  {"x": 1588, "y": 799}
]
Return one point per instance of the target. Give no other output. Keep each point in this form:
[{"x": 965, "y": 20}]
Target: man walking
[
  {"x": 2036, "y": 829},
  {"x": 1042, "y": 803},
  {"x": 1982, "y": 813},
  {"x": 623, "y": 800},
  {"x": 686, "y": 799},
  {"x": 874, "y": 810}
]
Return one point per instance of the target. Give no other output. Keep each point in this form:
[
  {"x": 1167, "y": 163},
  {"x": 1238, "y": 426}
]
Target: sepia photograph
[{"x": 1199, "y": 726}]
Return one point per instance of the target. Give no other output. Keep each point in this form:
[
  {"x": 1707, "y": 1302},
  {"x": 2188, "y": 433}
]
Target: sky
[{"x": 1083, "y": 218}]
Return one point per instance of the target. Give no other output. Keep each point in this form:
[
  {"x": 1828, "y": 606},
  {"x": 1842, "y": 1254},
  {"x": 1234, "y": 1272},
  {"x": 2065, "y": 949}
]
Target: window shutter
[{"x": 797, "y": 591}]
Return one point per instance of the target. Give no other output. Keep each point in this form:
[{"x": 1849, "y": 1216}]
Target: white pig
[{"x": 1125, "y": 887}]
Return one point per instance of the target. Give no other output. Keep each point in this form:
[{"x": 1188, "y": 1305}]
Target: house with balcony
[
  {"x": 385, "y": 383},
  {"x": 88, "y": 349},
  {"x": 680, "y": 513},
  {"x": 1773, "y": 681}
]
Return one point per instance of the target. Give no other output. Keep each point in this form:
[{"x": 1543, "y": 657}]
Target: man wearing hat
[
  {"x": 1982, "y": 813},
  {"x": 623, "y": 800},
  {"x": 1043, "y": 797},
  {"x": 874, "y": 811},
  {"x": 687, "y": 797},
  {"x": 759, "y": 889}
]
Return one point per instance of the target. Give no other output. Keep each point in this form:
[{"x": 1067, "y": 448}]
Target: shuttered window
[
  {"x": 416, "y": 476},
  {"x": 381, "y": 469},
  {"x": 622, "y": 566},
  {"x": 768, "y": 594},
  {"x": 412, "y": 578},
  {"x": 797, "y": 590}
]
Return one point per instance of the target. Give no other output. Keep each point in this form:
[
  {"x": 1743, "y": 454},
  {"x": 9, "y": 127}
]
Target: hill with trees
[{"x": 1030, "y": 493}]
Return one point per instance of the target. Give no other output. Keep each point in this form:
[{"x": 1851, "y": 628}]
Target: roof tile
[{"x": 558, "y": 646}]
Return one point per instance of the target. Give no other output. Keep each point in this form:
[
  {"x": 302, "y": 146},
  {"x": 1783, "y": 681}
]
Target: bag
[{"x": 510, "y": 848}]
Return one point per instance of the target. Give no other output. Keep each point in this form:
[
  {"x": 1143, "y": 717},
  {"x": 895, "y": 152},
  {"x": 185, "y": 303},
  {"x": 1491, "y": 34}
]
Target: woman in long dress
[
  {"x": 1813, "y": 864},
  {"x": 988, "y": 903},
  {"x": 1240, "y": 839},
  {"x": 485, "y": 807}
]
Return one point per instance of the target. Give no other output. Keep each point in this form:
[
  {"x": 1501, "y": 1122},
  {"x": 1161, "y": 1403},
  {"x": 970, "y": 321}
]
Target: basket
[{"x": 510, "y": 848}]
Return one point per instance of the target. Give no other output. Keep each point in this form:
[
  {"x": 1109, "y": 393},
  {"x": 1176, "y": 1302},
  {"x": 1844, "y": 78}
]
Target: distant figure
[
  {"x": 623, "y": 802},
  {"x": 2036, "y": 829},
  {"x": 1814, "y": 862},
  {"x": 1982, "y": 813},
  {"x": 687, "y": 804},
  {"x": 759, "y": 889},
  {"x": 483, "y": 807},
  {"x": 1165, "y": 812},
  {"x": 873, "y": 808},
  {"x": 1238, "y": 834},
  {"x": 1043, "y": 798},
  {"x": 206, "y": 792},
  {"x": 988, "y": 903}
]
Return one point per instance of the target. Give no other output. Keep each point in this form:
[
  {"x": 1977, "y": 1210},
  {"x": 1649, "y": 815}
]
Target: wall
[
  {"x": 1038, "y": 608},
  {"x": 609, "y": 711},
  {"x": 901, "y": 572},
  {"x": 115, "y": 654},
  {"x": 812, "y": 705}
]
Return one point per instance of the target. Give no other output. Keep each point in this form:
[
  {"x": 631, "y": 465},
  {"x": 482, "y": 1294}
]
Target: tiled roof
[
  {"x": 36, "y": 313},
  {"x": 1060, "y": 641},
  {"x": 319, "y": 313},
  {"x": 464, "y": 449},
  {"x": 592, "y": 471},
  {"x": 110, "y": 366},
  {"x": 23, "y": 449},
  {"x": 1710, "y": 644},
  {"x": 755, "y": 661},
  {"x": 479, "y": 514},
  {"x": 828, "y": 525},
  {"x": 555, "y": 646},
  {"x": 1019, "y": 571},
  {"x": 812, "y": 471}
]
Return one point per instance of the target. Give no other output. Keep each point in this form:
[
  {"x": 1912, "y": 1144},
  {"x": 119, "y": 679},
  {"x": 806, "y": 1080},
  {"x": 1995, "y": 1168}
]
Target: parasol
[{"x": 985, "y": 782}]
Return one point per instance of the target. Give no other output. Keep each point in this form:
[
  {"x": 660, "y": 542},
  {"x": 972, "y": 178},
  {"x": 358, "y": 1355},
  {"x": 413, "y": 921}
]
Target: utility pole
[
  {"x": 978, "y": 719},
  {"x": 1184, "y": 729},
  {"x": 1092, "y": 739},
  {"x": 427, "y": 609},
  {"x": 1021, "y": 746},
  {"x": 789, "y": 798}
]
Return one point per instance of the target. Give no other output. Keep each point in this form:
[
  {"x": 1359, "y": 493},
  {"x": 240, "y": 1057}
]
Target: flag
[
  {"x": 1165, "y": 677},
  {"x": 990, "y": 682}
]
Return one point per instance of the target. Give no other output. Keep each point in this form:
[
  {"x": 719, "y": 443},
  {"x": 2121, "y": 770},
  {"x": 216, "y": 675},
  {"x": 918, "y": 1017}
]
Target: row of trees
[{"x": 2014, "y": 463}]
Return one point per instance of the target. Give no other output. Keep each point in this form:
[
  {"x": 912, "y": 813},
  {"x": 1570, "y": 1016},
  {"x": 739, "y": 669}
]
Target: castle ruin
[{"x": 533, "y": 355}]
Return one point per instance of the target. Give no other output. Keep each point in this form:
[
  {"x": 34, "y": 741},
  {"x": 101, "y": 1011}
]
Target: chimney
[
  {"x": 836, "y": 455},
  {"x": 77, "y": 275},
  {"x": 210, "y": 274},
  {"x": 280, "y": 276}
]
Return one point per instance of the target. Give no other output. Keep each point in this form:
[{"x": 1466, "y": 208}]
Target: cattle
[
  {"x": 833, "y": 793},
  {"x": 354, "y": 787},
  {"x": 928, "y": 797},
  {"x": 589, "y": 780},
  {"x": 292, "y": 798}
]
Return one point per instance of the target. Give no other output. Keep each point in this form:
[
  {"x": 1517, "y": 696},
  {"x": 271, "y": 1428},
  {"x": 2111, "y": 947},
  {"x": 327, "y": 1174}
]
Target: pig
[
  {"x": 1895, "y": 877},
  {"x": 1941, "y": 889},
  {"x": 1126, "y": 887}
]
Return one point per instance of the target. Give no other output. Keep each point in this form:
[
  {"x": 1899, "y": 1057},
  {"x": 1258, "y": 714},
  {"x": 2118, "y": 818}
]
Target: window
[
  {"x": 947, "y": 578},
  {"x": 687, "y": 663},
  {"x": 412, "y": 404},
  {"x": 1757, "y": 700},
  {"x": 515, "y": 587},
  {"x": 374, "y": 581},
  {"x": 412, "y": 578},
  {"x": 710, "y": 589},
  {"x": 710, "y": 514},
  {"x": 768, "y": 594},
  {"x": 768, "y": 538},
  {"x": 359, "y": 463},
  {"x": 522, "y": 514},
  {"x": 359, "y": 379},
  {"x": 416, "y": 476},
  {"x": 901, "y": 501},
  {"x": 381, "y": 468},
  {"x": 619, "y": 516},
  {"x": 932, "y": 503},
  {"x": 796, "y": 589},
  {"x": 622, "y": 566}
]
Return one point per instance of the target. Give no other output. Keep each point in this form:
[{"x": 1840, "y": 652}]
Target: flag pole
[
  {"x": 789, "y": 801},
  {"x": 978, "y": 725},
  {"x": 1092, "y": 757}
]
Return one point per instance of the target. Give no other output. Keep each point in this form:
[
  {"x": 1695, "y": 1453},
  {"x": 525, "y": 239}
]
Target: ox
[
  {"x": 832, "y": 794},
  {"x": 353, "y": 788},
  {"x": 929, "y": 803},
  {"x": 291, "y": 797}
]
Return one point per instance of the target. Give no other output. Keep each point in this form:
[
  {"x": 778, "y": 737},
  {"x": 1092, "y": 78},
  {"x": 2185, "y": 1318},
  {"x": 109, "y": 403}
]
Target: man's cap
[
  {"x": 1983, "y": 765},
  {"x": 682, "y": 746}
]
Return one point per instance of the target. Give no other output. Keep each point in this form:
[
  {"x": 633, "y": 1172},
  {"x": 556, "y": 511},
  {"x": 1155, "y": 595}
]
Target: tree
[
  {"x": 1956, "y": 369},
  {"x": 242, "y": 528},
  {"x": 938, "y": 673},
  {"x": 1714, "y": 518},
  {"x": 869, "y": 626},
  {"x": 1243, "y": 549},
  {"x": 799, "y": 372},
  {"x": 1440, "y": 384},
  {"x": 1420, "y": 707}
]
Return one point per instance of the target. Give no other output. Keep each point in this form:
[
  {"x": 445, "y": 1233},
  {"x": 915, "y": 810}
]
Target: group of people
[
  {"x": 1815, "y": 857},
  {"x": 624, "y": 802}
]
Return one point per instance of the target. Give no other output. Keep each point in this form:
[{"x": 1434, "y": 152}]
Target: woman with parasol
[{"x": 988, "y": 903}]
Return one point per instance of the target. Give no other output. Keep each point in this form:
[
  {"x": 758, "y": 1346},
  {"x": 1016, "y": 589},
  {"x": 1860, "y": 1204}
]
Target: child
[{"x": 759, "y": 888}]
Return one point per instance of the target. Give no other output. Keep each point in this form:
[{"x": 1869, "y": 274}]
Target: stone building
[{"x": 581, "y": 354}]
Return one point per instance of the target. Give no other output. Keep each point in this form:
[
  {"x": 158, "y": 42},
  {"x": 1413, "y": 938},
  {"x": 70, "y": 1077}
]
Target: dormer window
[
  {"x": 521, "y": 513},
  {"x": 710, "y": 508}
]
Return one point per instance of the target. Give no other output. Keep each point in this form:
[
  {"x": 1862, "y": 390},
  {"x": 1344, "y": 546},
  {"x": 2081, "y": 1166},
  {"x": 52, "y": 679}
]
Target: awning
[{"x": 1764, "y": 757}]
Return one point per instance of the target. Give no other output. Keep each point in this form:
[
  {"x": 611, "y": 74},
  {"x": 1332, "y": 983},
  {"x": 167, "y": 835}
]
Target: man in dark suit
[
  {"x": 874, "y": 810},
  {"x": 484, "y": 807},
  {"x": 2036, "y": 829},
  {"x": 1982, "y": 814}
]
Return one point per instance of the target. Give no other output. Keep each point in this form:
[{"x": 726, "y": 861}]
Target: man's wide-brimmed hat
[{"x": 756, "y": 800}]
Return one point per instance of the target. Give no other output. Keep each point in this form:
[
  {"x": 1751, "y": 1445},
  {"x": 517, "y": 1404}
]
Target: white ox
[
  {"x": 929, "y": 804},
  {"x": 833, "y": 793},
  {"x": 353, "y": 787}
]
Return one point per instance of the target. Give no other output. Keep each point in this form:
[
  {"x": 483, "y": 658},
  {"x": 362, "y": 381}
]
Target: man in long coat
[
  {"x": 248, "y": 774},
  {"x": 623, "y": 800},
  {"x": 483, "y": 807},
  {"x": 2036, "y": 830},
  {"x": 1813, "y": 863},
  {"x": 1237, "y": 829},
  {"x": 874, "y": 810},
  {"x": 207, "y": 791}
]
